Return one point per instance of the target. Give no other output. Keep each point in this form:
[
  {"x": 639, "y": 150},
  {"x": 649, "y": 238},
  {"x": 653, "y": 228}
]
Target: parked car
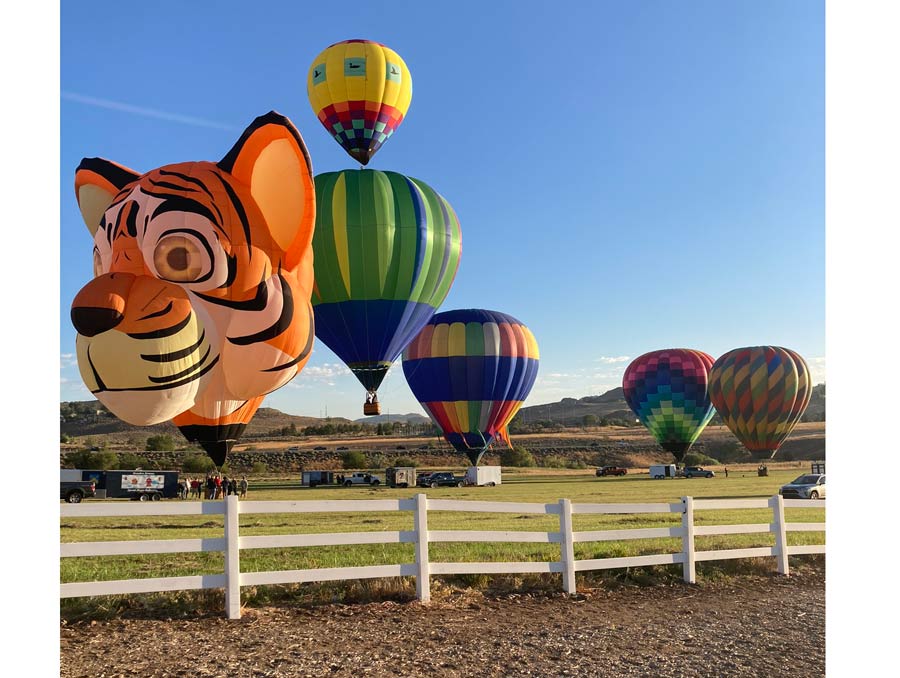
[
  {"x": 360, "y": 478},
  {"x": 697, "y": 472},
  {"x": 443, "y": 479},
  {"x": 422, "y": 478},
  {"x": 320, "y": 447},
  {"x": 611, "y": 471},
  {"x": 342, "y": 448},
  {"x": 809, "y": 486}
]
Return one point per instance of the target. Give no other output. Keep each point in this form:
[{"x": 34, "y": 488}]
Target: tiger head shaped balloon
[{"x": 203, "y": 272}]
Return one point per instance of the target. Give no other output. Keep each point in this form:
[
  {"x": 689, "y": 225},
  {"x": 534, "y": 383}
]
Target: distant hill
[
  {"x": 411, "y": 418},
  {"x": 91, "y": 418},
  {"x": 612, "y": 406}
]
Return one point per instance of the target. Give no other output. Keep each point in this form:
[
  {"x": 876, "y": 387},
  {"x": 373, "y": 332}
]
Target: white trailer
[
  {"x": 663, "y": 471},
  {"x": 483, "y": 475}
]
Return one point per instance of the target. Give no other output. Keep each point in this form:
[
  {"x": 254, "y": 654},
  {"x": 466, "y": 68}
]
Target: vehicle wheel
[
  {"x": 376, "y": 482},
  {"x": 433, "y": 485},
  {"x": 73, "y": 498},
  {"x": 492, "y": 484},
  {"x": 459, "y": 484},
  {"x": 154, "y": 497},
  {"x": 813, "y": 495},
  {"x": 347, "y": 483},
  {"x": 144, "y": 497}
]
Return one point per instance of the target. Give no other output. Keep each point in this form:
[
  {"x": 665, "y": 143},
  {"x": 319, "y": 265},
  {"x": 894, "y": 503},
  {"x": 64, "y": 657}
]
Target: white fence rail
[{"x": 232, "y": 579}]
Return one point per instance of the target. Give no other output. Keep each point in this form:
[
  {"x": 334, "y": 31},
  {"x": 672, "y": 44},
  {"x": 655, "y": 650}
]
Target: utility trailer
[
  {"x": 316, "y": 478},
  {"x": 137, "y": 485},
  {"x": 483, "y": 476},
  {"x": 401, "y": 476},
  {"x": 659, "y": 471}
]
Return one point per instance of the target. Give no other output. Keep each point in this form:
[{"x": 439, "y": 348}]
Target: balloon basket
[{"x": 370, "y": 409}]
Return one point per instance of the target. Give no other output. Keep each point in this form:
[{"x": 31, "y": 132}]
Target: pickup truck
[
  {"x": 73, "y": 491},
  {"x": 360, "y": 478},
  {"x": 441, "y": 479},
  {"x": 611, "y": 471}
]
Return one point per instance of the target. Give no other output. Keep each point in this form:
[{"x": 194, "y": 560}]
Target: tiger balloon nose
[{"x": 100, "y": 305}]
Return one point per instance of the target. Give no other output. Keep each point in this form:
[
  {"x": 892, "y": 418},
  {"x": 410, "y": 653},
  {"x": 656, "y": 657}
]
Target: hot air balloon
[
  {"x": 360, "y": 90},
  {"x": 386, "y": 250},
  {"x": 667, "y": 391},
  {"x": 761, "y": 392},
  {"x": 200, "y": 302},
  {"x": 471, "y": 370}
]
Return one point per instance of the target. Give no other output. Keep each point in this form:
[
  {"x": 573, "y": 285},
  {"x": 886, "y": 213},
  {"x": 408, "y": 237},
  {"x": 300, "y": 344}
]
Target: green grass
[{"x": 548, "y": 488}]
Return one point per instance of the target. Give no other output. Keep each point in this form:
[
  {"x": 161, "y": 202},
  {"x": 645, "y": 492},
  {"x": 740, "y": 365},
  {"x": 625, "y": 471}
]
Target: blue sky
[{"x": 628, "y": 176}]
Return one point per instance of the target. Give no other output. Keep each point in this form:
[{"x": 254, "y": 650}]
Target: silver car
[{"x": 809, "y": 486}]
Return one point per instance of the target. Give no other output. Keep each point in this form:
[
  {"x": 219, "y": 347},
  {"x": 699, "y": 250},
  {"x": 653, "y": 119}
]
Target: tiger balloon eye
[{"x": 177, "y": 325}]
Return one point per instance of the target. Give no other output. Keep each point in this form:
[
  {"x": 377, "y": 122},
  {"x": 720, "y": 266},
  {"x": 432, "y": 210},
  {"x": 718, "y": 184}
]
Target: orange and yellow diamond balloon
[{"x": 360, "y": 90}]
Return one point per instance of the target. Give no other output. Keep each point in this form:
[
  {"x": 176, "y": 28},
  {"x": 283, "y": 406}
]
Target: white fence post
[
  {"x": 232, "y": 558},
  {"x": 423, "y": 569},
  {"x": 567, "y": 545},
  {"x": 780, "y": 529},
  {"x": 687, "y": 522}
]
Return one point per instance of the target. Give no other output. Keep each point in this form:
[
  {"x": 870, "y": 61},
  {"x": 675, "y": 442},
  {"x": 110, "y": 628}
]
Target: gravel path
[{"x": 749, "y": 626}]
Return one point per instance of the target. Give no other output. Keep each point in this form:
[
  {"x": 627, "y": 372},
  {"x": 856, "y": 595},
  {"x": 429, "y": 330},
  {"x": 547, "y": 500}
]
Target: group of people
[{"x": 213, "y": 486}]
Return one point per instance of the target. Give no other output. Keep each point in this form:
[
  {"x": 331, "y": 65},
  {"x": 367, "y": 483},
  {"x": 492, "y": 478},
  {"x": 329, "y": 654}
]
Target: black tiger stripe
[
  {"x": 158, "y": 313},
  {"x": 115, "y": 174},
  {"x": 131, "y": 219},
  {"x": 164, "y": 387},
  {"x": 175, "y": 355},
  {"x": 165, "y": 332},
  {"x": 179, "y": 203},
  {"x": 257, "y": 303},
  {"x": 242, "y": 214},
  {"x": 197, "y": 182},
  {"x": 183, "y": 373},
  {"x": 279, "y": 326},
  {"x": 306, "y": 349}
]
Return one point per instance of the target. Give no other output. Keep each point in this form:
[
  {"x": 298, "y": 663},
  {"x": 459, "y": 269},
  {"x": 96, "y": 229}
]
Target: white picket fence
[{"x": 232, "y": 579}]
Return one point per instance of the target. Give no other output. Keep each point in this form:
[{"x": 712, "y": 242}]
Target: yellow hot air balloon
[{"x": 360, "y": 90}]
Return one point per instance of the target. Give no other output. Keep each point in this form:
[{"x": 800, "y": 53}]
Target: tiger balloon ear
[
  {"x": 97, "y": 182},
  {"x": 271, "y": 158}
]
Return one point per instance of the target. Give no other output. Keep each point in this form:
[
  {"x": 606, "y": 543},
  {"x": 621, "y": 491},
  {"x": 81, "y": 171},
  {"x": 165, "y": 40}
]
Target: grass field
[{"x": 543, "y": 486}]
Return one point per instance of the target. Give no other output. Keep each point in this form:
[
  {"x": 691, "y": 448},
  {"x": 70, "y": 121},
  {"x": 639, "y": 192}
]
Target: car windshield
[{"x": 805, "y": 480}]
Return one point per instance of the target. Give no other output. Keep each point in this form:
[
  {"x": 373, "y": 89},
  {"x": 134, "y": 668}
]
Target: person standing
[
  {"x": 726, "y": 471},
  {"x": 244, "y": 485}
]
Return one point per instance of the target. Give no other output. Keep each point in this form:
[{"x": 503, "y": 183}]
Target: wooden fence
[{"x": 232, "y": 579}]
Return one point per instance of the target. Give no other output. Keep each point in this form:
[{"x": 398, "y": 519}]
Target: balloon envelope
[
  {"x": 203, "y": 273},
  {"x": 761, "y": 392},
  {"x": 386, "y": 251},
  {"x": 360, "y": 90},
  {"x": 471, "y": 370},
  {"x": 667, "y": 391}
]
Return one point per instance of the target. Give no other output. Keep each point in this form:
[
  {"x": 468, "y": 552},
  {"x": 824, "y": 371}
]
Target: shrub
[
  {"x": 93, "y": 460},
  {"x": 353, "y": 459},
  {"x": 697, "y": 459},
  {"x": 553, "y": 461},
  {"x": 131, "y": 461},
  {"x": 405, "y": 461},
  {"x": 517, "y": 456},
  {"x": 576, "y": 464},
  {"x": 198, "y": 463},
  {"x": 162, "y": 443},
  {"x": 259, "y": 467}
]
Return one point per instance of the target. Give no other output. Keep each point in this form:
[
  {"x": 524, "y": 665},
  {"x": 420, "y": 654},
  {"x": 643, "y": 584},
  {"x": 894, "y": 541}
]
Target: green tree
[
  {"x": 353, "y": 459},
  {"x": 163, "y": 442},
  {"x": 198, "y": 463},
  {"x": 590, "y": 420},
  {"x": 93, "y": 460},
  {"x": 405, "y": 461},
  {"x": 698, "y": 459},
  {"x": 130, "y": 460},
  {"x": 259, "y": 468},
  {"x": 517, "y": 456}
]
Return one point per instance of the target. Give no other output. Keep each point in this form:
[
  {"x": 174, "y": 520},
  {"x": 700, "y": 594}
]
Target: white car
[{"x": 809, "y": 486}]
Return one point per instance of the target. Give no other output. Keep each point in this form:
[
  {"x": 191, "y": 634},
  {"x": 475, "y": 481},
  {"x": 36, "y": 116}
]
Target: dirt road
[{"x": 750, "y": 626}]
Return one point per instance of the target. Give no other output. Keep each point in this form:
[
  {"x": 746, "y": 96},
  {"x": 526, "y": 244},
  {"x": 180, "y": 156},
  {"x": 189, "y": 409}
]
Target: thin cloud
[
  {"x": 612, "y": 360},
  {"x": 146, "y": 112}
]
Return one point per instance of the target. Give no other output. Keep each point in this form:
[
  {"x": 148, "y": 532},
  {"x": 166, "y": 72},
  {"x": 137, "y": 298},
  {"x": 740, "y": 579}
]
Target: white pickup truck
[{"x": 360, "y": 478}]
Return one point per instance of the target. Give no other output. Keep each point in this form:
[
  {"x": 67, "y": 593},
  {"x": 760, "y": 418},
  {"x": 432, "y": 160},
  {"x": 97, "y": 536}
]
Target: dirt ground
[{"x": 747, "y": 625}]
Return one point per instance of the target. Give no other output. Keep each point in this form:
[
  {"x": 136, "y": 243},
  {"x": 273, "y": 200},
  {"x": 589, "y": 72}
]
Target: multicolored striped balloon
[
  {"x": 360, "y": 90},
  {"x": 761, "y": 392},
  {"x": 667, "y": 390},
  {"x": 386, "y": 249},
  {"x": 471, "y": 370}
]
